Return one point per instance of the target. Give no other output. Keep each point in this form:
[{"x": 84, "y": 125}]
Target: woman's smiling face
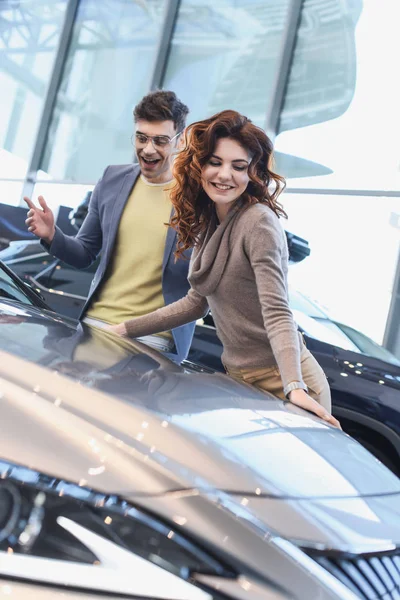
[{"x": 225, "y": 175}]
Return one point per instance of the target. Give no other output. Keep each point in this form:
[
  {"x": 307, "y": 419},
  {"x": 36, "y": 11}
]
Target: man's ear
[{"x": 181, "y": 141}]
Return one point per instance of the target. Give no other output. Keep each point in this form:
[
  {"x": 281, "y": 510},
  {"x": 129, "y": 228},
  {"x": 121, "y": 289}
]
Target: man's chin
[
  {"x": 150, "y": 173},
  {"x": 161, "y": 172}
]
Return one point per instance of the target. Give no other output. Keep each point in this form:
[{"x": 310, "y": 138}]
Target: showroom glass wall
[
  {"x": 340, "y": 124},
  {"x": 319, "y": 75},
  {"x": 29, "y": 39}
]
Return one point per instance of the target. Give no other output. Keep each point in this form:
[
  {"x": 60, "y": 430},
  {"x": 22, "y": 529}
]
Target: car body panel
[
  {"x": 17, "y": 590},
  {"x": 359, "y": 523},
  {"x": 242, "y": 446},
  {"x": 219, "y": 525},
  {"x": 365, "y": 390},
  {"x": 242, "y": 474},
  {"x": 247, "y": 422}
]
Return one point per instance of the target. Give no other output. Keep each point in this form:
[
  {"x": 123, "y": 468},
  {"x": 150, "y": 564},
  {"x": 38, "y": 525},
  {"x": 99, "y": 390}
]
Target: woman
[{"x": 227, "y": 209}]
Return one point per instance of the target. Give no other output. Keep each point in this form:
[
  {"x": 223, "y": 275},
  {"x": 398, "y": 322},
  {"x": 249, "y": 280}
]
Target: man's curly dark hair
[{"x": 162, "y": 105}]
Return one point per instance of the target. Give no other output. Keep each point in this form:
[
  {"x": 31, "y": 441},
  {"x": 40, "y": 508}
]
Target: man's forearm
[{"x": 69, "y": 249}]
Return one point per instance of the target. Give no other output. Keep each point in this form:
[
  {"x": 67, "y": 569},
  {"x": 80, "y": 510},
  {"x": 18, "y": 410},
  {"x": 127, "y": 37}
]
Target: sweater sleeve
[
  {"x": 187, "y": 309},
  {"x": 266, "y": 246}
]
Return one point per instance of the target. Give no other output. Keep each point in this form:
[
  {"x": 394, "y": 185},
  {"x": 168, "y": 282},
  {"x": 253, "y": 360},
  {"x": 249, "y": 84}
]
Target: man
[{"x": 126, "y": 225}]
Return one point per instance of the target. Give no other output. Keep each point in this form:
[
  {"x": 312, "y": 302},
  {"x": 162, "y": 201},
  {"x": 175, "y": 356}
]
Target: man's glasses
[{"x": 156, "y": 140}]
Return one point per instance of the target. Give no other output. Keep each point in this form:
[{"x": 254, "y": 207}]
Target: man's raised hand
[{"x": 40, "y": 221}]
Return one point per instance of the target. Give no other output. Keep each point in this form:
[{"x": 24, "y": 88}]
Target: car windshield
[
  {"x": 10, "y": 290},
  {"x": 300, "y": 303},
  {"x": 368, "y": 346},
  {"x": 317, "y": 324}
]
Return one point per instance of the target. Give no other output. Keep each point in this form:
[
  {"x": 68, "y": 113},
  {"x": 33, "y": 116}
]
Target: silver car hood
[{"x": 262, "y": 460}]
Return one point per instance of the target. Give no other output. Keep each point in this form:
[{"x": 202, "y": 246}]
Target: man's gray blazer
[{"x": 98, "y": 234}]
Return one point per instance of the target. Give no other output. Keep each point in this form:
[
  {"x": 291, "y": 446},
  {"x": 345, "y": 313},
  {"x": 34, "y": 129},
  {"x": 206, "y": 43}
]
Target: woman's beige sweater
[{"x": 239, "y": 270}]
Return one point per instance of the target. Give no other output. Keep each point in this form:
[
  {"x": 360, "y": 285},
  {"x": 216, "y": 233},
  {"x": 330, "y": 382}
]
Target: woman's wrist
[{"x": 294, "y": 385}]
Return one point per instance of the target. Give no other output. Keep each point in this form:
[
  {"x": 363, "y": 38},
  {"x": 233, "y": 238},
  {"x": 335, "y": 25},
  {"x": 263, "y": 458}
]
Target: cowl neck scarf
[{"x": 212, "y": 252}]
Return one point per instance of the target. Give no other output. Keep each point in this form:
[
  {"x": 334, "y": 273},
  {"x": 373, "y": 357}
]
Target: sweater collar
[{"x": 212, "y": 252}]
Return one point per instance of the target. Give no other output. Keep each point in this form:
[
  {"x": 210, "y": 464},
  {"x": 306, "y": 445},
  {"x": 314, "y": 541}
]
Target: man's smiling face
[{"x": 154, "y": 155}]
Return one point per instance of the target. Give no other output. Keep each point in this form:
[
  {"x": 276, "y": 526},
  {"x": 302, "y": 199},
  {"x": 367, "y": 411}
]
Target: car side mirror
[{"x": 298, "y": 248}]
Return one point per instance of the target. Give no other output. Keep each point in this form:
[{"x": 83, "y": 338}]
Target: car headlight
[{"x": 59, "y": 533}]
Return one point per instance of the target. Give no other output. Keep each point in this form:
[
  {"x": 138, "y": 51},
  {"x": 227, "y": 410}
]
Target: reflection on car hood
[
  {"x": 364, "y": 524},
  {"x": 169, "y": 428},
  {"x": 280, "y": 471}
]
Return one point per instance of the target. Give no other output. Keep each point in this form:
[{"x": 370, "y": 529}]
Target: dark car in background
[{"x": 65, "y": 288}]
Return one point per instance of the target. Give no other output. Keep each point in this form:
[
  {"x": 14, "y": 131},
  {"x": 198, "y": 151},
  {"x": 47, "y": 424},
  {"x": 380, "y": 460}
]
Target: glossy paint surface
[
  {"x": 238, "y": 471},
  {"x": 159, "y": 429}
]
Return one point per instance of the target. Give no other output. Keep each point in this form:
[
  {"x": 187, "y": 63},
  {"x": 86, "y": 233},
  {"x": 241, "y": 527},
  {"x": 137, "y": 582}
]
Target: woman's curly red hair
[{"x": 193, "y": 208}]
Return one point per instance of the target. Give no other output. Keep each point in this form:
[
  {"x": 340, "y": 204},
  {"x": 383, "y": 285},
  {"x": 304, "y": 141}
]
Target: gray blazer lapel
[
  {"x": 120, "y": 201},
  {"x": 170, "y": 243}
]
